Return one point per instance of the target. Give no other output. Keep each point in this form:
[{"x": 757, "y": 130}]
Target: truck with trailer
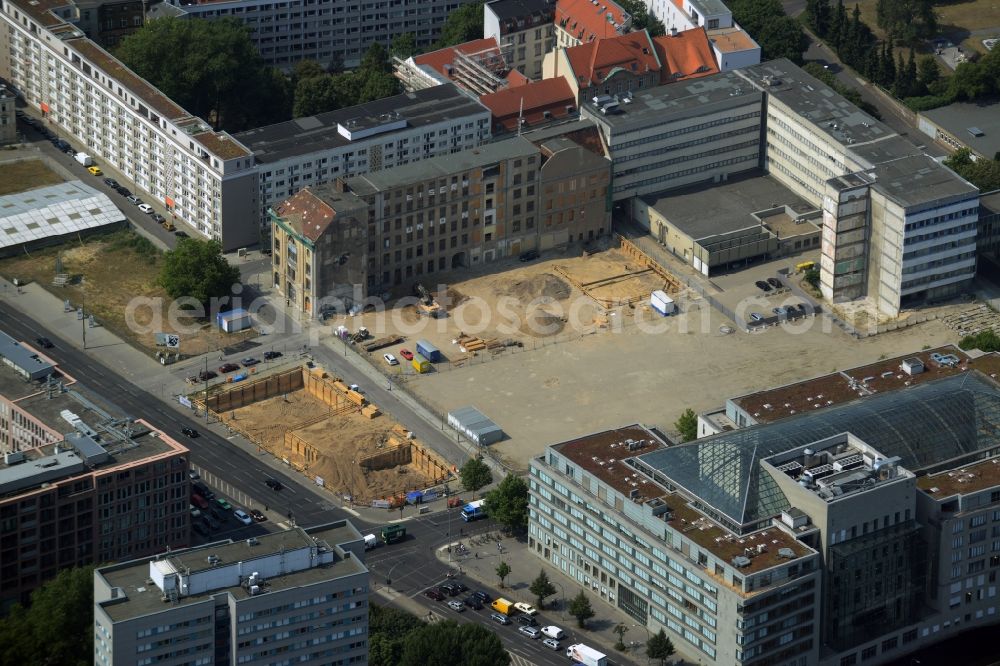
[
  {"x": 392, "y": 533},
  {"x": 84, "y": 159},
  {"x": 662, "y": 303},
  {"x": 505, "y": 606},
  {"x": 428, "y": 351},
  {"x": 587, "y": 656}
]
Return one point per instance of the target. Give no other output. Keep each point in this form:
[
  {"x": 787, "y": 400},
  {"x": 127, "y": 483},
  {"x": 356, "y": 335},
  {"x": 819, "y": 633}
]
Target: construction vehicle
[{"x": 427, "y": 305}]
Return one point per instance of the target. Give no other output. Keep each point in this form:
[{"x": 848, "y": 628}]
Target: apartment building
[
  {"x": 296, "y": 596},
  {"x": 327, "y": 31},
  {"x": 108, "y": 22},
  {"x": 851, "y": 534},
  {"x": 669, "y": 136},
  {"x": 580, "y": 21},
  {"x": 121, "y": 120},
  {"x": 686, "y": 14},
  {"x": 367, "y": 138},
  {"x": 526, "y": 26},
  {"x": 8, "y": 119},
  {"x": 379, "y": 233}
]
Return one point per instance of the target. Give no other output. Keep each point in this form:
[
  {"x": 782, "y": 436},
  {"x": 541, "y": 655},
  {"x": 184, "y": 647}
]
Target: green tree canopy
[
  {"x": 983, "y": 173},
  {"x": 542, "y": 588},
  {"x": 642, "y": 18},
  {"x": 211, "y": 68},
  {"x": 450, "y": 643},
  {"x": 404, "y": 46},
  {"x": 659, "y": 646},
  {"x": 57, "y": 628},
  {"x": 503, "y": 570},
  {"x": 779, "y": 36},
  {"x": 507, "y": 504},
  {"x": 620, "y": 630},
  {"x": 687, "y": 425},
  {"x": 907, "y": 20},
  {"x": 580, "y": 608},
  {"x": 197, "y": 269},
  {"x": 317, "y": 91},
  {"x": 388, "y": 629},
  {"x": 475, "y": 474},
  {"x": 462, "y": 25}
]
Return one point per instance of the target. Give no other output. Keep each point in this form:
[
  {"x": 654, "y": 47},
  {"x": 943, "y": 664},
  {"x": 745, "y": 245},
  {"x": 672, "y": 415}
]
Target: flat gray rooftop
[
  {"x": 991, "y": 202},
  {"x": 144, "y": 598},
  {"x": 711, "y": 7},
  {"x": 649, "y": 105},
  {"x": 47, "y": 407},
  {"x": 442, "y": 165},
  {"x": 312, "y": 134},
  {"x": 815, "y": 102},
  {"x": 701, "y": 212},
  {"x": 514, "y": 9},
  {"x": 958, "y": 118},
  {"x": 14, "y": 386},
  {"x": 918, "y": 179},
  {"x": 23, "y": 357}
]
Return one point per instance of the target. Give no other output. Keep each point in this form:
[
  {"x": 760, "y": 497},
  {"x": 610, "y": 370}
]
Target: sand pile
[{"x": 545, "y": 286}]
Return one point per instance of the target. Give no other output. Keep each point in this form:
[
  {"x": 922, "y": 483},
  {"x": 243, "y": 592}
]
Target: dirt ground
[
  {"x": 526, "y": 304},
  {"x": 109, "y": 272},
  {"x": 643, "y": 374},
  {"x": 26, "y": 175},
  {"x": 343, "y": 439}
]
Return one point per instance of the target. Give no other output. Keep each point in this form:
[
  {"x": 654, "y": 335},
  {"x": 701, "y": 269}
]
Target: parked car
[
  {"x": 270, "y": 355},
  {"x": 249, "y": 361},
  {"x": 228, "y": 367},
  {"x": 406, "y": 353},
  {"x": 763, "y": 286},
  {"x": 205, "y": 375},
  {"x": 553, "y": 631},
  {"x": 774, "y": 282},
  {"x": 551, "y": 643},
  {"x": 526, "y": 608},
  {"x": 273, "y": 484},
  {"x": 111, "y": 182},
  {"x": 146, "y": 208},
  {"x": 221, "y": 501},
  {"x": 528, "y": 256},
  {"x": 44, "y": 342},
  {"x": 472, "y": 601},
  {"x": 778, "y": 311},
  {"x": 95, "y": 171},
  {"x": 159, "y": 219},
  {"x": 801, "y": 307},
  {"x": 257, "y": 515},
  {"x": 447, "y": 590},
  {"x": 482, "y": 596},
  {"x": 390, "y": 359},
  {"x": 124, "y": 191},
  {"x": 499, "y": 619},
  {"x": 203, "y": 490},
  {"x": 530, "y": 632},
  {"x": 68, "y": 149},
  {"x": 190, "y": 432},
  {"x": 434, "y": 594},
  {"x": 756, "y": 316},
  {"x": 456, "y": 606},
  {"x": 134, "y": 200},
  {"x": 526, "y": 620},
  {"x": 193, "y": 474},
  {"x": 243, "y": 517}
]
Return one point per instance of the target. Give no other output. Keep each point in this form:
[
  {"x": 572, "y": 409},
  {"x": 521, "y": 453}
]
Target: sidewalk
[{"x": 524, "y": 568}]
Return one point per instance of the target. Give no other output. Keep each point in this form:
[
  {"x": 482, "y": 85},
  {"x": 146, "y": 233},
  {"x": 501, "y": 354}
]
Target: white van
[{"x": 554, "y": 632}]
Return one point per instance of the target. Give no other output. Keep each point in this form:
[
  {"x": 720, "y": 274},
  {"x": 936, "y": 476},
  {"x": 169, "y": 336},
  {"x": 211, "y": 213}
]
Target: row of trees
[
  {"x": 318, "y": 90},
  {"x": 397, "y": 638},
  {"x": 779, "y": 35}
]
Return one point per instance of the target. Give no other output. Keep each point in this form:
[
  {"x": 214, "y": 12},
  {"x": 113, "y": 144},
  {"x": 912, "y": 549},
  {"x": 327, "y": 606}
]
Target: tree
[
  {"x": 388, "y": 629},
  {"x": 580, "y": 608},
  {"x": 818, "y": 14},
  {"x": 507, "y": 504},
  {"x": 197, "y": 269},
  {"x": 928, "y": 71},
  {"x": 779, "y": 36},
  {"x": 404, "y": 46},
  {"x": 307, "y": 69},
  {"x": 542, "y": 587},
  {"x": 475, "y": 474},
  {"x": 450, "y": 643},
  {"x": 316, "y": 94},
  {"x": 462, "y": 25},
  {"x": 811, "y": 276},
  {"x": 503, "y": 570},
  {"x": 210, "y": 68},
  {"x": 659, "y": 646},
  {"x": 983, "y": 173},
  {"x": 621, "y": 630},
  {"x": 906, "y": 20},
  {"x": 687, "y": 425},
  {"x": 57, "y": 627}
]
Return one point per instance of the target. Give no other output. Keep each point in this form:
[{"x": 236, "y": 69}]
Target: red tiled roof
[
  {"x": 446, "y": 56},
  {"x": 594, "y": 61},
  {"x": 307, "y": 214},
  {"x": 516, "y": 79},
  {"x": 686, "y": 55},
  {"x": 552, "y": 95},
  {"x": 587, "y": 22}
]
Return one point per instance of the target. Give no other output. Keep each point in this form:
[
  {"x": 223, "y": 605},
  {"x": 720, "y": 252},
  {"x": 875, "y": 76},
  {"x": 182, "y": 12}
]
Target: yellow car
[{"x": 95, "y": 170}]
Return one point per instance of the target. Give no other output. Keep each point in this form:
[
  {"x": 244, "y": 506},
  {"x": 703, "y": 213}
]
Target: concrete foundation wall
[{"x": 242, "y": 395}]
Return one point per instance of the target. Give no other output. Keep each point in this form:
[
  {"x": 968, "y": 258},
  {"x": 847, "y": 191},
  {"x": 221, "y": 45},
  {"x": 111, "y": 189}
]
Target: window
[{"x": 869, "y": 652}]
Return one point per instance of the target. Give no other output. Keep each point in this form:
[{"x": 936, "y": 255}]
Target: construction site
[
  {"x": 488, "y": 313},
  {"x": 319, "y": 426}
]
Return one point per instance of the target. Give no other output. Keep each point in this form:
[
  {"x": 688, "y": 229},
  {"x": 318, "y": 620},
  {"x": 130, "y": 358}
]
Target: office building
[
  {"x": 674, "y": 135},
  {"x": 80, "y": 485},
  {"x": 682, "y": 15},
  {"x": 526, "y": 26},
  {"x": 845, "y": 535},
  {"x": 361, "y": 139},
  {"x": 379, "y": 233},
  {"x": 295, "y": 596},
  {"x": 327, "y": 31},
  {"x": 975, "y": 126},
  {"x": 123, "y": 121}
]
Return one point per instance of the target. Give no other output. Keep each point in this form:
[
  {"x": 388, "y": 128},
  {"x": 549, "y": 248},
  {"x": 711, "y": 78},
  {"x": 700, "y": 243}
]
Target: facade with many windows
[
  {"x": 523, "y": 28},
  {"x": 295, "y": 596}
]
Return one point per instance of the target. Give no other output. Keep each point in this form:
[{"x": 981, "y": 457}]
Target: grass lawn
[
  {"x": 25, "y": 175},
  {"x": 108, "y": 272}
]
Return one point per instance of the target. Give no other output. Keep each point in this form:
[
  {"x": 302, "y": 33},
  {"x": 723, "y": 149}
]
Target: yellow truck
[
  {"x": 420, "y": 364},
  {"x": 505, "y": 606},
  {"x": 804, "y": 266}
]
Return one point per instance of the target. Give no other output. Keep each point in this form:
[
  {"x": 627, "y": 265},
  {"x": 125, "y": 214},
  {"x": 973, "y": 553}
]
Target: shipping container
[
  {"x": 428, "y": 351},
  {"x": 662, "y": 303},
  {"x": 420, "y": 364}
]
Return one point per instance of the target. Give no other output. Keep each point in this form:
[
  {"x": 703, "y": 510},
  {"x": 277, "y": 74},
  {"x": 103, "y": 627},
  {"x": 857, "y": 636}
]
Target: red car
[
  {"x": 406, "y": 353},
  {"x": 435, "y": 595},
  {"x": 228, "y": 367}
]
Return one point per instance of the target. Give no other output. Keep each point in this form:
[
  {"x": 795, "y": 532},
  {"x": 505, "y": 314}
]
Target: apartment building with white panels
[{"x": 125, "y": 122}]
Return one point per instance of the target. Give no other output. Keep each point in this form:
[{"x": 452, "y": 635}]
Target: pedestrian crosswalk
[{"x": 518, "y": 660}]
